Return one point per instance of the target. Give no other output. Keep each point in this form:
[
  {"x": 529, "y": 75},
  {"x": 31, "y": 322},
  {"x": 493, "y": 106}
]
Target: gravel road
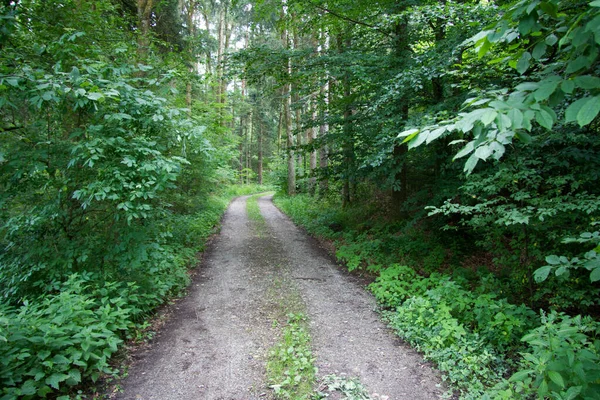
[{"x": 215, "y": 344}]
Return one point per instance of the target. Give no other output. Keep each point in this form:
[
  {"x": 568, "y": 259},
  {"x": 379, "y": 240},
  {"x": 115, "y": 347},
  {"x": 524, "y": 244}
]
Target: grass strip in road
[
  {"x": 253, "y": 211},
  {"x": 290, "y": 366}
]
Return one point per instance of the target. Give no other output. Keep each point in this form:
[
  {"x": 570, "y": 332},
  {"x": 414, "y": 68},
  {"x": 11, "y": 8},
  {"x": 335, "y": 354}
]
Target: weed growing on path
[
  {"x": 290, "y": 368},
  {"x": 350, "y": 388}
]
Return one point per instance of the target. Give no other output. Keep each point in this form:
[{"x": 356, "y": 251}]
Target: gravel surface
[{"x": 215, "y": 344}]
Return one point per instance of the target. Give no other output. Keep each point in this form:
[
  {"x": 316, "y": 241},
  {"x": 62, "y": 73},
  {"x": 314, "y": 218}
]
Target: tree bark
[{"x": 144, "y": 11}]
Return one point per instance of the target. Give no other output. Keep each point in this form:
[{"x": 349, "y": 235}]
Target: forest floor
[{"x": 216, "y": 341}]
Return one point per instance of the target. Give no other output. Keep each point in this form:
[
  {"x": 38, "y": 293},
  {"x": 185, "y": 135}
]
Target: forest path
[{"x": 216, "y": 343}]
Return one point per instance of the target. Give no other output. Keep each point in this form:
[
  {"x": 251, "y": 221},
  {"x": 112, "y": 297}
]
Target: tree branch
[{"x": 335, "y": 14}]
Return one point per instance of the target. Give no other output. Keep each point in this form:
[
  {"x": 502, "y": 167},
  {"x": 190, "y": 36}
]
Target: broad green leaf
[
  {"x": 469, "y": 147},
  {"x": 488, "y": 116},
  {"x": 528, "y": 86},
  {"x": 587, "y": 82},
  {"x": 549, "y": 8},
  {"x": 551, "y": 39},
  {"x": 411, "y": 136},
  {"x": 544, "y": 118},
  {"x": 546, "y": 90},
  {"x": 520, "y": 376},
  {"x": 595, "y": 3},
  {"x": 553, "y": 260},
  {"x": 526, "y": 24},
  {"x": 541, "y": 274},
  {"x": 573, "y": 109},
  {"x": 523, "y": 63},
  {"x": 524, "y": 137},
  {"x": 483, "y": 152},
  {"x": 55, "y": 379},
  {"x": 471, "y": 163},
  {"x": 567, "y": 86},
  {"x": 516, "y": 118},
  {"x": 419, "y": 139},
  {"x": 539, "y": 50},
  {"x": 434, "y": 134},
  {"x": 557, "y": 378},
  {"x": 572, "y": 393},
  {"x": 588, "y": 111},
  {"x": 484, "y": 48},
  {"x": 95, "y": 96},
  {"x": 408, "y": 132},
  {"x": 595, "y": 275},
  {"x": 577, "y": 64}
]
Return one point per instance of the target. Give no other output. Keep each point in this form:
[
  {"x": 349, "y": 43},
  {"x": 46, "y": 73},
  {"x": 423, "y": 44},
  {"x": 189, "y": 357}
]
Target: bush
[{"x": 60, "y": 339}]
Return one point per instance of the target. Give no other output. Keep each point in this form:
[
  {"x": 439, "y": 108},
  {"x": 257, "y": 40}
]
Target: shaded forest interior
[{"x": 448, "y": 150}]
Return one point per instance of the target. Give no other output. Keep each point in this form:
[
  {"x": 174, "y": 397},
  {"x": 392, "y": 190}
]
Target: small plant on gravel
[
  {"x": 350, "y": 388},
  {"x": 290, "y": 368}
]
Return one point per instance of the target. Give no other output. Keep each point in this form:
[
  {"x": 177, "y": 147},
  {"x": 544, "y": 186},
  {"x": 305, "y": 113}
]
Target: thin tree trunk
[
  {"x": 291, "y": 166},
  {"x": 144, "y": 11},
  {"x": 260, "y": 152}
]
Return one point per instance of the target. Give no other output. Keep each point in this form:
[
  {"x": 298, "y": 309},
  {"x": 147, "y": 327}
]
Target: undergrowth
[
  {"x": 290, "y": 366},
  {"x": 486, "y": 346},
  {"x": 53, "y": 344}
]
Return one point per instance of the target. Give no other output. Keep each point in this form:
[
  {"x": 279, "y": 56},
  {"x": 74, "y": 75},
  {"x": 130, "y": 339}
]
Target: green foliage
[
  {"x": 53, "y": 343},
  {"x": 290, "y": 367},
  {"x": 562, "y": 361},
  {"x": 350, "y": 388}
]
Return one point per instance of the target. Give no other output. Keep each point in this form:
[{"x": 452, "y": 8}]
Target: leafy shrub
[
  {"x": 58, "y": 340},
  {"x": 562, "y": 362},
  {"x": 469, "y": 363}
]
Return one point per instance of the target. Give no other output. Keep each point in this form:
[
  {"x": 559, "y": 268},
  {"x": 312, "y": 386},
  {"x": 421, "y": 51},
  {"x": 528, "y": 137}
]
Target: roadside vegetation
[
  {"x": 468, "y": 321},
  {"x": 450, "y": 150}
]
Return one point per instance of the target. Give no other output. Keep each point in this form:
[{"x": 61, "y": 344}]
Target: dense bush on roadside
[{"x": 487, "y": 347}]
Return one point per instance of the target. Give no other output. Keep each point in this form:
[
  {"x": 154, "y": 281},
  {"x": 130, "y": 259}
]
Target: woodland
[{"x": 446, "y": 149}]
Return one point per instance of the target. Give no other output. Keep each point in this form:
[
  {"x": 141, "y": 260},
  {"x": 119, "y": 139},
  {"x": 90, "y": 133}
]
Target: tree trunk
[
  {"x": 144, "y": 11},
  {"x": 291, "y": 166},
  {"x": 311, "y": 137},
  {"x": 259, "y": 168},
  {"x": 400, "y": 192}
]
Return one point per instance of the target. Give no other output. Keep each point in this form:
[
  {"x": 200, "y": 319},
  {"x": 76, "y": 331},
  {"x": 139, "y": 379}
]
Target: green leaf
[
  {"x": 484, "y": 48},
  {"x": 577, "y": 64},
  {"x": 471, "y": 163},
  {"x": 541, "y": 274},
  {"x": 546, "y": 89},
  {"x": 549, "y": 8},
  {"x": 523, "y": 63},
  {"x": 595, "y": 3},
  {"x": 539, "y": 50},
  {"x": 573, "y": 109},
  {"x": 488, "y": 116},
  {"x": 469, "y": 147},
  {"x": 544, "y": 118},
  {"x": 409, "y": 134},
  {"x": 587, "y": 82},
  {"x": 588, "y": 110},
  {"x": 516, "y": 118},
  {"x": 553, "y": 260},
  {"x": 595, "y": 275},
  {"x": 55, "y": 379},
  {"x": 567, "y": 86},
  {"x": 95, "y": 96},
  {"x": 520, "y": 376},
  {"x": 557, "y": 378},
  {"x": 551, "y": 39}
]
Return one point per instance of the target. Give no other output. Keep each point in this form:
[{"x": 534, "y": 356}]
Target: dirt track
[{"x": 216, "y": 342}]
